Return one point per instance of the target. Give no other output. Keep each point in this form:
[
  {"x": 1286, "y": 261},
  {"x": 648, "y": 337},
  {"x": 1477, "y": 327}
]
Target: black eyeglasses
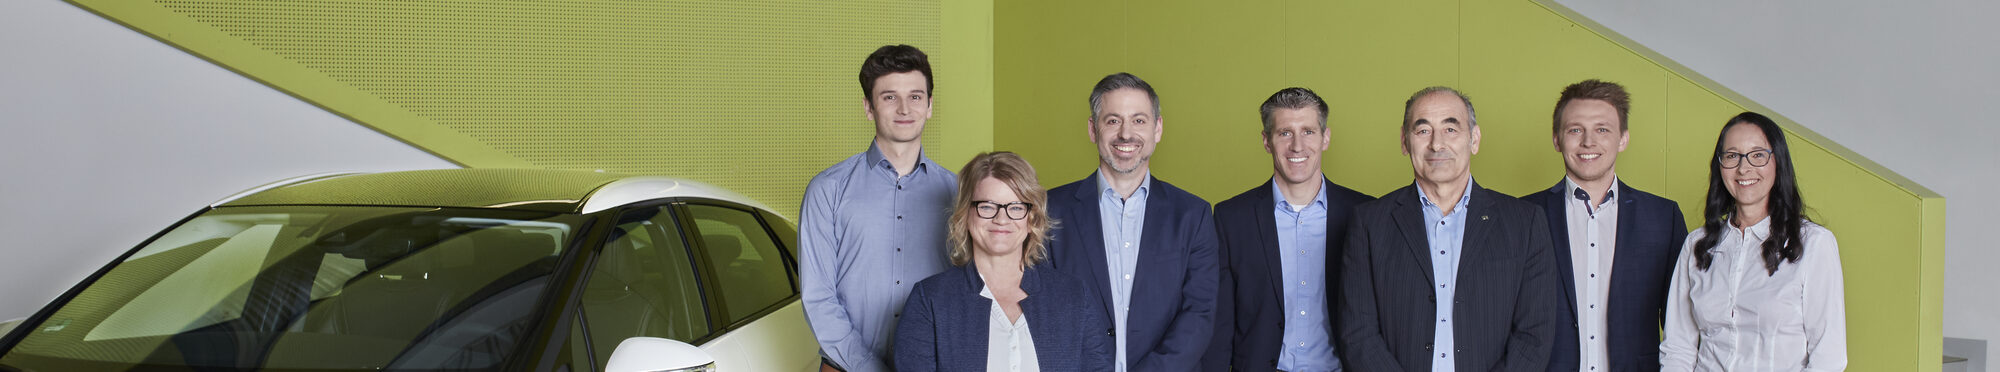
[
  {"x": 1731, "y": 160},
  {"x": 990, "y": 210}
]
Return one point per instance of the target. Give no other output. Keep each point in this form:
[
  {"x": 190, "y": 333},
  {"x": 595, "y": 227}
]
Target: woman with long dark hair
[{"x": 1758, "y": 287}]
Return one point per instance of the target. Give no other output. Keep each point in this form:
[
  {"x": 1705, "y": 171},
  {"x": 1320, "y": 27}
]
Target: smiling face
[
  {"x": 1295, "y": 142},
  {"x": 1750, "y": 185},
  {"x": 1440, "y": 139},
  {"x": 899, "y": 106},
  {"x": 1590, "y": 139},
  {"x": 1000, "y": 235},
  {"x": 1126, "y": 130}
]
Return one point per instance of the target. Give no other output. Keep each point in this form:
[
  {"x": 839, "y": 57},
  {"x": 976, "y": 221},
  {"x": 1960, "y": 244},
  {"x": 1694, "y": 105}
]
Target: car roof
[{"x": 526, "y": 189}]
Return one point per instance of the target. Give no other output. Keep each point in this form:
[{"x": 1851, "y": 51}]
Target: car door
[
  {"x": 644, "y": 283},
  {"x": 752, "y": 278}
]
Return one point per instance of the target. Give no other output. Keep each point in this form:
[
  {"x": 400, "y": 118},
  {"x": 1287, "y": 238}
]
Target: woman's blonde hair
[{"x": 1010, "y": 169}]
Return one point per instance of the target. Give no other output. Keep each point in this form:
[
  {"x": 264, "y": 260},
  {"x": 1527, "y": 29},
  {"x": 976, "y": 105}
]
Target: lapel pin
[{"x": 1482, "y": 218}]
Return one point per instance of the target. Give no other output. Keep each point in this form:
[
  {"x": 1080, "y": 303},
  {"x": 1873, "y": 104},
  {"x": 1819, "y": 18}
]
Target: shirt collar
[
  {"x": 1756, "y": 232},
  {"x": 877, "y": 160},
  {"x": 1278, "y": 195},
  {"x": 1570, "y": 189},
  {"x": 1104, "y": 185},
  {"x": 1463, "y": 197}
]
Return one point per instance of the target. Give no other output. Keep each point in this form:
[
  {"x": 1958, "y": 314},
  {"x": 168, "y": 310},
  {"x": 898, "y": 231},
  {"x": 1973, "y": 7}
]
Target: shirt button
[
  {"x": 1302, "y": 282},
  {"x": 1128, "y": 244},
  {"x": 1302, "y": 312},
  {"x": 899, "y": 282},
  {"x": 899, "y": 217},
  {"x": 1128, "y": 276}
]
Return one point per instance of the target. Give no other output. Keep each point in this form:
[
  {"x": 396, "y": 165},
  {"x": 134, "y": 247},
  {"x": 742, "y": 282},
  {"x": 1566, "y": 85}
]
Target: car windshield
[{"x": 281, "y": 288}]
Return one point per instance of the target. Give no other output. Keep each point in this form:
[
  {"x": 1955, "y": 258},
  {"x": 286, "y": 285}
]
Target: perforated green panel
[{"x": 755, "y": 96}]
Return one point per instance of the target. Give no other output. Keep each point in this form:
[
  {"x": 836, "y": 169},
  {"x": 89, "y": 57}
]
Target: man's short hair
[
  {"x": 1292, "y": 98},
  {"x": 1471, "y": 117},
  {"x": 1114, "y": 82},
  {"x": 1606, "y": 91},
  {"x": 891, "y": 59}
]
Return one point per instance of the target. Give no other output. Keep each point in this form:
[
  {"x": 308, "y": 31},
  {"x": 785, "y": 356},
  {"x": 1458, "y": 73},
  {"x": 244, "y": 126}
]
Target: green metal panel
[{"x": 754, "y": 96}]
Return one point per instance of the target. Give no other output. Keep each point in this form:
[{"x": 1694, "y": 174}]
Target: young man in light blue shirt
[{"x": 873, "y": 225}]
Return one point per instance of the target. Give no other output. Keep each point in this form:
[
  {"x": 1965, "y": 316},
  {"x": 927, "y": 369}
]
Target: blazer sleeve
[
  {"x": 1361, "y": 345},
  {"x": 1187, "y": 336},
  {"x": 1535, "y": 312},
  {"x": 916, "y": 334},
  {"x": 1221, "y": 346},
  {"x": 1680, "y": 233}
]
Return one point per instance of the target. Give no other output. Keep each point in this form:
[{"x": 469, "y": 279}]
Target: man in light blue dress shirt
[
  {"x": 1296, "y": 220},
  {"x": 1445, "y": 275},
  {"x": 872, "y": 226},
  {"x": 1147, "y": 248}
]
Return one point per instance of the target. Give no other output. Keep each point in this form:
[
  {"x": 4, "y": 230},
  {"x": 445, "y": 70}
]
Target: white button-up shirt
[
  {"x": 1009, "y": 346},
  {"x": 1593, "y": 241},
  {"x": 1736, "y": 316}
]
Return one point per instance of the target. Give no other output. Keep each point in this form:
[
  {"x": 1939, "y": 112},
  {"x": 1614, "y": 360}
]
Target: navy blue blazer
[
  {"x": 1650, "y": 233},
  {"x": 944, "y": 323},
  {"x": 1505, "y": 308},
  {"x": 1173, "y": 291},
  {"x": 1250, "y": 301}
]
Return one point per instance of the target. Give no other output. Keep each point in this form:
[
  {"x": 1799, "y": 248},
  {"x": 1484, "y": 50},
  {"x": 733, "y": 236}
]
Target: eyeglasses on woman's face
[
  {"x": 1732, "y": 159},
  {"x": 990, "y": 210}
]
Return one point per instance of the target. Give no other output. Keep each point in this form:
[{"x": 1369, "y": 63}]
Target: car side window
[
  {"x": 745, "y": 259},
  {"x": 643, "y": 284}
]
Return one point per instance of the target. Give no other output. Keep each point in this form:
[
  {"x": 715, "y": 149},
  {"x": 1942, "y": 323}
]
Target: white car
[{"x": 442, "y": 270}]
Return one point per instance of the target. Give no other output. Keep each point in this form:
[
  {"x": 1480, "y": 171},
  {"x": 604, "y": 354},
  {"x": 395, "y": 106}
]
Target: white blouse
[
  {"x": 1009, "y": 346},
  {"x": 1735, "y": 317}
]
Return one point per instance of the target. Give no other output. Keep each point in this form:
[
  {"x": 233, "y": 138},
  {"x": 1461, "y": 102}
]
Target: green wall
[
  {"x": 756, "y": 96},
  {"x": 1214, "y": 62}
]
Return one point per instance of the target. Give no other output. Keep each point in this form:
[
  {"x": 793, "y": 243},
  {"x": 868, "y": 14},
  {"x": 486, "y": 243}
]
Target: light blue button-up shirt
[
  {"x": 866, "y": 236},
  {"x": 1123, "y": 219},
  {"x": 1447, "y": 237},
  {"x": 1302, "y": 259}
]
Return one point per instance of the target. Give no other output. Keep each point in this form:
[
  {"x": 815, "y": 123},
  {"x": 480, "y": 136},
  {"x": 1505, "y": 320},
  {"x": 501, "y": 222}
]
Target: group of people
[{"x": 906, "y": 265}]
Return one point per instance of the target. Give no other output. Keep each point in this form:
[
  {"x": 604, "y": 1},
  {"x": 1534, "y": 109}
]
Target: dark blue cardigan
[{"x": 944, "y": 323}]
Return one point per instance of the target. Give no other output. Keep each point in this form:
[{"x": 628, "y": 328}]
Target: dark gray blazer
[{"x": 1506, "y": 308}]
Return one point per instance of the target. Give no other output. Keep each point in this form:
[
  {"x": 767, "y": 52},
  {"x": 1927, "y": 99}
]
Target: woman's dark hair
[{"x": 1787, "y": 211}]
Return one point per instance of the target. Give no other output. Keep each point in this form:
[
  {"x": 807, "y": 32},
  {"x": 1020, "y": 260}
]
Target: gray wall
[
  {"x": 110, "y": 136},
  {"x": 1909, "y": 84}
]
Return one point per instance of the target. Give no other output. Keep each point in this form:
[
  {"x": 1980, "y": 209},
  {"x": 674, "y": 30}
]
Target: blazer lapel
[
  {"x": 1628, "y": 214},
  {"x": 1409, "y": 217},
  {"x": 1153, "y": 243},
  {"x": 1041, "y": 317},
  {"x": 1267, "y": 235},
  {"x": 1089, "y": 231},
  {"x": 1477, "y": 226},
  {"x": 1557, "y": 210}
]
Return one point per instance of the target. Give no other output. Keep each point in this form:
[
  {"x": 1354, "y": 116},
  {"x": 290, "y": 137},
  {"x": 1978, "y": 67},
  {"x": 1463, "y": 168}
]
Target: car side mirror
[{"x": 653, "y": 354}]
